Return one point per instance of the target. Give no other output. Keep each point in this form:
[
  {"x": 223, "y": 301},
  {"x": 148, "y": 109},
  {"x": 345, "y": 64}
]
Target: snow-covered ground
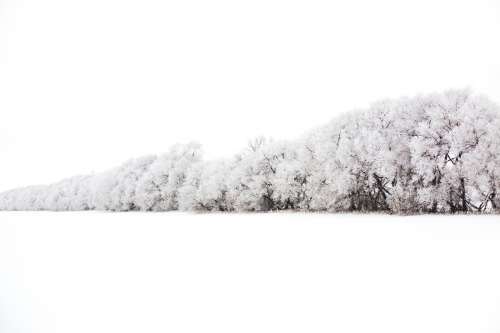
[{"x": 279, "y": 272}]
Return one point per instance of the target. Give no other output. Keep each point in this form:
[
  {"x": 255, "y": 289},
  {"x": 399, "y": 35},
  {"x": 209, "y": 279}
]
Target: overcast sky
[{"x": 85, "y": 85}]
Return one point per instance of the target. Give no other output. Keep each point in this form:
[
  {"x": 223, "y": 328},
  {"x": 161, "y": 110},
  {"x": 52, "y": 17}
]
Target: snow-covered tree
[
  {"x": 157, "y": 188},
  {"x": 205, "y": 187},
  {"x": 116, "y": 189}
]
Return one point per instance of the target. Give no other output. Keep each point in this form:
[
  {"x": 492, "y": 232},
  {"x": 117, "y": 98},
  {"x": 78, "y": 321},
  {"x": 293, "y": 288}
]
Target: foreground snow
[{"x": 139, "y": 272}]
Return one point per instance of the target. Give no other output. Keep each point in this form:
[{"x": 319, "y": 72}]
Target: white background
[{"x": 85, "y": 85}]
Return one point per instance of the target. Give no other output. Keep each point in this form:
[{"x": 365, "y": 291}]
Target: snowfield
[{"x": 277, "y": 272}]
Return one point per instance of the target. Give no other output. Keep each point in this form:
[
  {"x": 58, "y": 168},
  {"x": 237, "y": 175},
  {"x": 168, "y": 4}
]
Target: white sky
[{"x": 85, "y": 85}]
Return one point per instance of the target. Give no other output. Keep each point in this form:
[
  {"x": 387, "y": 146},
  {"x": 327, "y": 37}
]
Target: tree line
[{"x": 437, "y": 153}]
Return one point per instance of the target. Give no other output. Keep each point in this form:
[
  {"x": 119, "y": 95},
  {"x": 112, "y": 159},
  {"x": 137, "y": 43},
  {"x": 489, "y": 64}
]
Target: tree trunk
[{"x": 462, "y": 195}]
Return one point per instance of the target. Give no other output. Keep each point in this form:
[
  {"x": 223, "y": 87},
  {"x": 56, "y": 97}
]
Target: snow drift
[{"x": 428, "y": 154}]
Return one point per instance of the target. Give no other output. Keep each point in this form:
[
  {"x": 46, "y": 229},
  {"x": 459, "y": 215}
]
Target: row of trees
[{"x": 428, "y": 154}]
